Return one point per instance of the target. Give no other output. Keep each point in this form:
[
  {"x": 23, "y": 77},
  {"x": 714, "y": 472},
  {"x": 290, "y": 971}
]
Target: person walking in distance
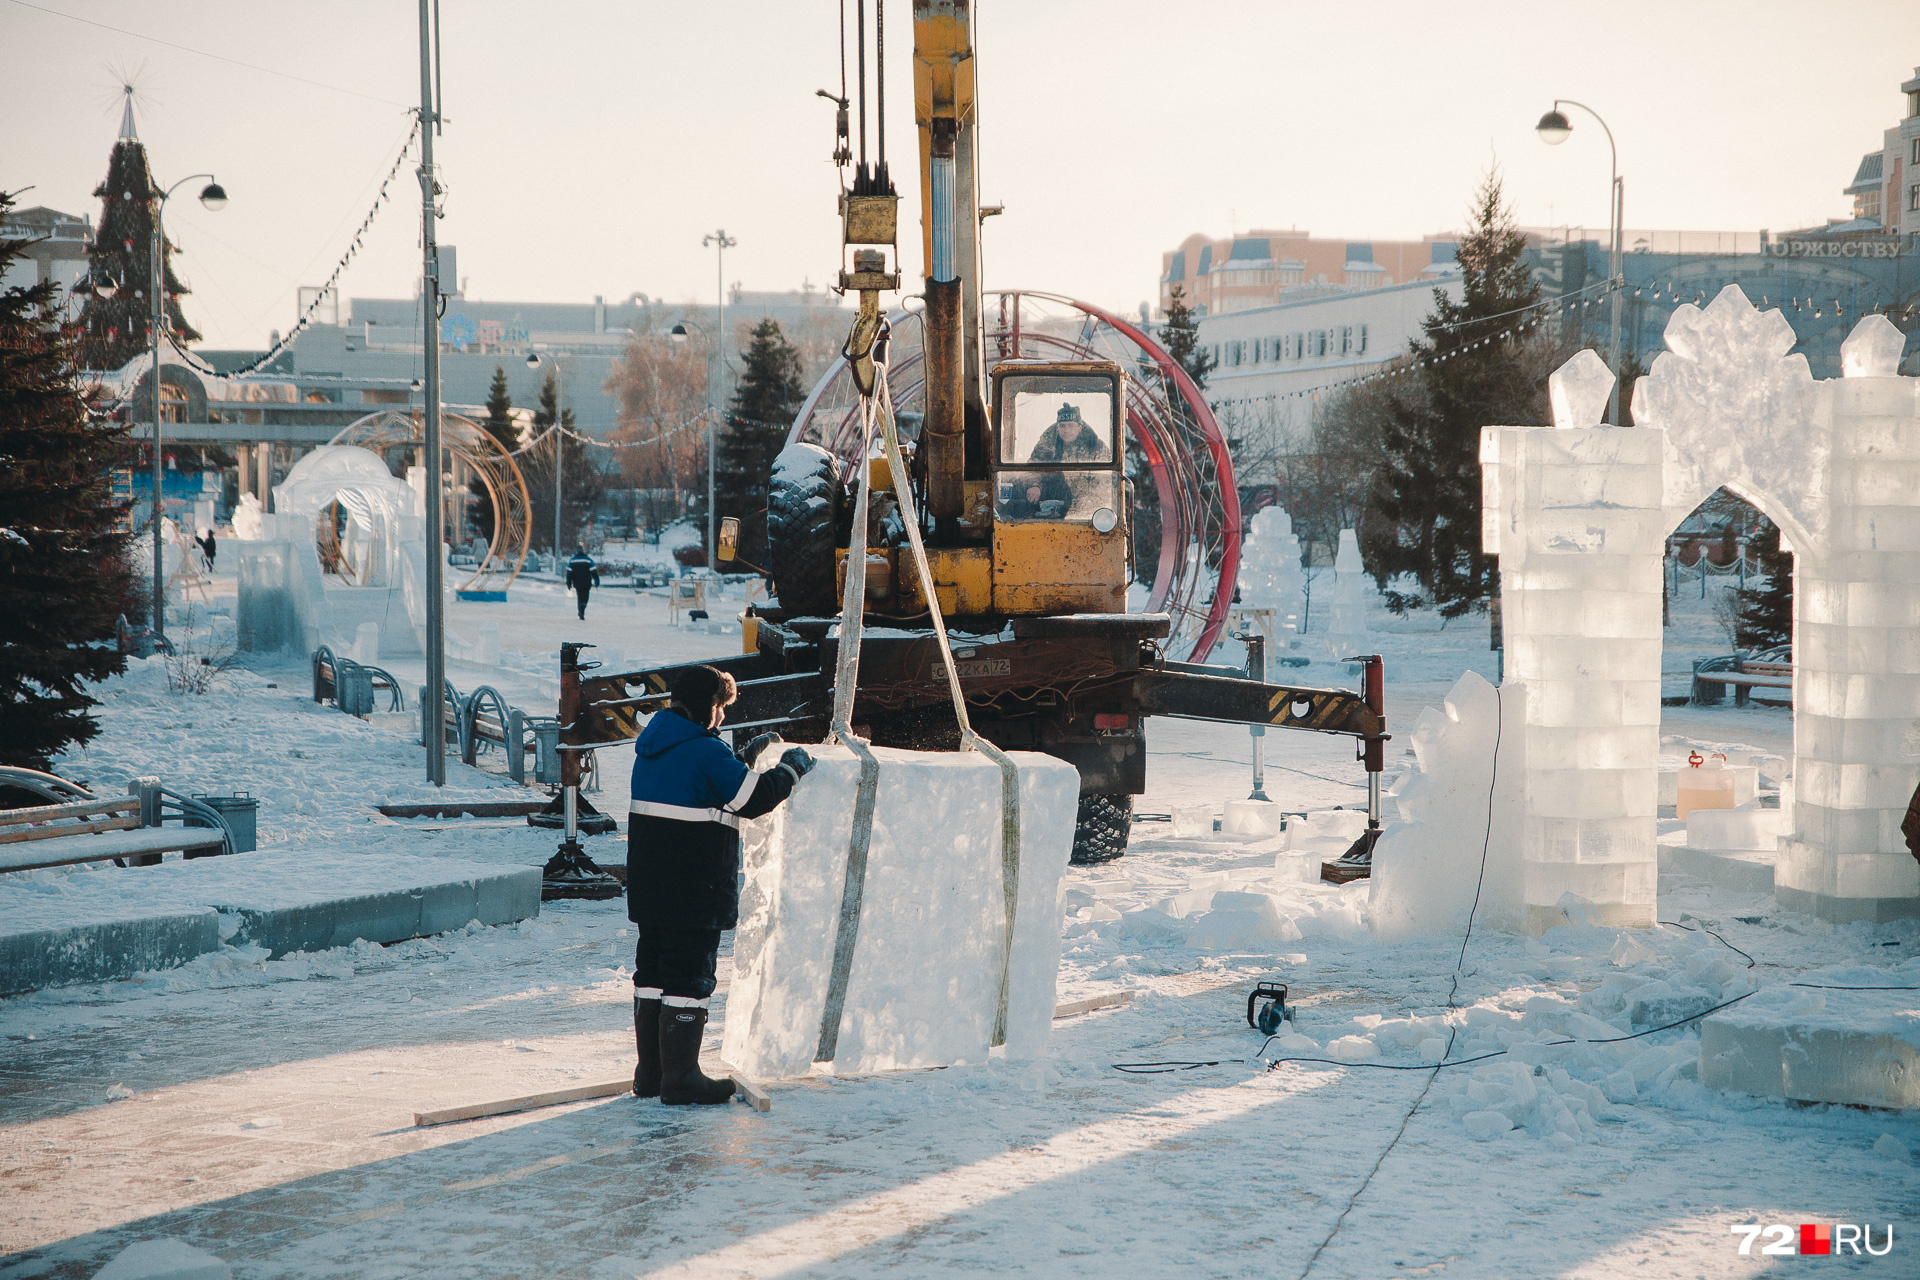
[
  {"x": 583, "y": 575},
  {"x": 683, "y": 858}
]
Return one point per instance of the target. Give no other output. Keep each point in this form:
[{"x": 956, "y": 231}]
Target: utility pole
[
  {"x": 721, "y": 241},
  {"x": 435, "y": 712}
]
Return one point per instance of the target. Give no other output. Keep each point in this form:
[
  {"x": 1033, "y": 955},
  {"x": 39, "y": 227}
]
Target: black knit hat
[{"x": 700, "y": 688}]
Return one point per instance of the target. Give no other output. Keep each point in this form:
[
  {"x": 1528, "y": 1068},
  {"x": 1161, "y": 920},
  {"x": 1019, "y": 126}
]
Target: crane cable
[{"x": 876, "y": 411}]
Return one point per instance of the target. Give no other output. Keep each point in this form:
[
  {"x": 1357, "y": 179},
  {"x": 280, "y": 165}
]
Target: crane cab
[{"x": 1060, "y": 537}]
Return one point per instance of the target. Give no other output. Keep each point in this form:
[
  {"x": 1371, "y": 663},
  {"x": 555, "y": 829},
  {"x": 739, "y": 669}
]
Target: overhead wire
[{"x": 217, "y": 57}]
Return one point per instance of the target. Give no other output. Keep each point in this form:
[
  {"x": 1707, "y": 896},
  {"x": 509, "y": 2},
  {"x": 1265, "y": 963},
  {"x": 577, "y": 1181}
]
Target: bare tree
[{"x": 661, "y": 387}]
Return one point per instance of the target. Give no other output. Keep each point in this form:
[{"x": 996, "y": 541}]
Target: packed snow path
[{"x": 263, "y": 1109}]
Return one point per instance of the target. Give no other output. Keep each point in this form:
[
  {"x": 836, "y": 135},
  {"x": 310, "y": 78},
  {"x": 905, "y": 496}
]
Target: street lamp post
[
  {"x": 679, "y": 334},
  {"x": 214, "y": 197},
  {"x": 1553, "y": 129},
  {"x": 722, "y": 242}
]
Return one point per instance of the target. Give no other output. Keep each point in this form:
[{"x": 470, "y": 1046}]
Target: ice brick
[{"x": 927, "y": 963}]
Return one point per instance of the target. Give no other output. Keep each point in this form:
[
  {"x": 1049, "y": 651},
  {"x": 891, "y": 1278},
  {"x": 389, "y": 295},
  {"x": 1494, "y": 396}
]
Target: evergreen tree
[
  {"x": 499, "y": 425},
  {"x": 63, "y": 573},
  {"x": 765, "y": 402},
  {"x": 1180, "y": 335},
  {"x": 1424, "y": 511},
  {"x": 580, "y": 484},
  {"x": 117, "y": 329},
  {"x": 1766, "y": 606}
]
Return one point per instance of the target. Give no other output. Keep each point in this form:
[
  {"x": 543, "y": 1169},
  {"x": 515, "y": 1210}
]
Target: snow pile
[
  {"x": 930, "y": 940},
  {"x": 1456, "y": 808},
  {"x": 1347, "y": 634}
]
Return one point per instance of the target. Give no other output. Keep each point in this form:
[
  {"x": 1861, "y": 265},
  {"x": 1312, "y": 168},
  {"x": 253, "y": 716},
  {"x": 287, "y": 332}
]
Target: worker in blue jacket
[{"x": 683, "y": 857}]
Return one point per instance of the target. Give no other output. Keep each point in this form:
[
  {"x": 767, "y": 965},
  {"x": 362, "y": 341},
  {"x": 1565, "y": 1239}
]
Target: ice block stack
[
  {"x": 1857, "y": 652},
  {"x": 931, "y": 940},
  {"x": 1575, "y": 515}
]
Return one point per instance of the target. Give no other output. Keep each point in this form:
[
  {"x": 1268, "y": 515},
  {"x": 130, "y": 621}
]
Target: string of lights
[{"x": 333, "y": 280}]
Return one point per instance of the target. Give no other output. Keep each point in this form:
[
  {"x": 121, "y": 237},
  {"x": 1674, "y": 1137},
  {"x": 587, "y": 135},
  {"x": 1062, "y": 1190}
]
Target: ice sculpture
[
  {"x": 1270, "y": 574},
  {"x": 1456, "y": 807},
  {"x": 1347, "y": 633},
  {"x": 1578, "y": 518},
  {"x": 1579, "y": 390}
]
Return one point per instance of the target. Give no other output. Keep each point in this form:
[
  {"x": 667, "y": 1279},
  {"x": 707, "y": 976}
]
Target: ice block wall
[
  {"x": 1856, "y": 649},
  {"x": 924, "y": 984},
  {"x": 1576, "y": 517}
]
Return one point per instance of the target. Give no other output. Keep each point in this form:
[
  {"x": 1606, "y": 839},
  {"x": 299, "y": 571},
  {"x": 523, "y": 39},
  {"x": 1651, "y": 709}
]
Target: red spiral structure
[{"x": 1167, "y": 418}]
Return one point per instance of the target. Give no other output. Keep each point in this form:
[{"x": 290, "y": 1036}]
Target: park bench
[
  {"x": 81, "y": 827},
  {"x": 1767, "y": 669},
  {"x": 349, "y": 685},
  {"x": 485, "y": 719}
]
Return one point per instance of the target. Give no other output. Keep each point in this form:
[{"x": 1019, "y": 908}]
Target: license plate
[{"x": 983, "y": 668}]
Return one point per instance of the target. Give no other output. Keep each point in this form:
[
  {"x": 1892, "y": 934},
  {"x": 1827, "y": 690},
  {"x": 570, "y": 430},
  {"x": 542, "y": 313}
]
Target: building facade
[
  {"x": 56, "y": 251},
  {"x": 1886, "y": 185},
  {"x": 1261, "y": 268}
]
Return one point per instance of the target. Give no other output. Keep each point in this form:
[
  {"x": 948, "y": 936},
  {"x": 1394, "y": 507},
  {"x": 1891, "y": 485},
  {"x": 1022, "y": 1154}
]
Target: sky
[{"x": 590, "y": 145}]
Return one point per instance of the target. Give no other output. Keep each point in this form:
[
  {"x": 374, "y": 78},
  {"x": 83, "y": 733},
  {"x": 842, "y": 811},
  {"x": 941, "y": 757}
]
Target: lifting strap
[{"x": 877, "y": 409}]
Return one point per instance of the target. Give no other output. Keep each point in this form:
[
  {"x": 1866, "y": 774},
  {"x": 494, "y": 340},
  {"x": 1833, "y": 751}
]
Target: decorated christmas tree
[{"x": 114, "y": 329}]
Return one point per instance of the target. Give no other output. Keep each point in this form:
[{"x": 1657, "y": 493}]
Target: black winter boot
[
  {"x": 646, "y": 1042},
  {"x": 681, "y": 1080}
]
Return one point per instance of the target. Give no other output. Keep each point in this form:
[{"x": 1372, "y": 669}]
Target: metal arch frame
[
  {"x": 506, "y": 487},
  {"x": 1186, "y": 451}
]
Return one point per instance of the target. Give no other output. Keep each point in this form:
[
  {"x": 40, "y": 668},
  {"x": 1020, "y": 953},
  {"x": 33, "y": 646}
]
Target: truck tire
[
  {"x": 802, "y": 508},
  {"x": 1100, "y": 829}
]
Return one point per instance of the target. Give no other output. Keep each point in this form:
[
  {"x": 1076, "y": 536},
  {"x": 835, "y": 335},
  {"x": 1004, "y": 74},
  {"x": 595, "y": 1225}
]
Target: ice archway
[{"x": 1579, "y": 515}]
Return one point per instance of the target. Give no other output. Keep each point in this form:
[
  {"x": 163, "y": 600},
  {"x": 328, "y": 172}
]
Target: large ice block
[
  {"x": 1858, "y": 1047},
  {"x": 930, "y": 947}
]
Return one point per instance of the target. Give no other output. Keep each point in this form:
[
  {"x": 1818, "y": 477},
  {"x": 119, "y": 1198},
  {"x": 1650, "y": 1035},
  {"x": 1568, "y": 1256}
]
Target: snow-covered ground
[{"x": 263, "y": 1109}]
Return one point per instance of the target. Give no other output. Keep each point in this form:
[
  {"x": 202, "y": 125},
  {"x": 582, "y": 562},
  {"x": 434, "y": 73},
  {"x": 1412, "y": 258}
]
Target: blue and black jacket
[
  {"x": 582, "y": 572},
  {"x": 683, "y": 829}
]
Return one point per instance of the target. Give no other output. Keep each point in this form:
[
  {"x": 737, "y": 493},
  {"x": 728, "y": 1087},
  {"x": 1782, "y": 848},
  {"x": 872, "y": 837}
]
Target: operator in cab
[
  {"x": 1069, "y": 439},
  {"x": 683, "y": 859}
]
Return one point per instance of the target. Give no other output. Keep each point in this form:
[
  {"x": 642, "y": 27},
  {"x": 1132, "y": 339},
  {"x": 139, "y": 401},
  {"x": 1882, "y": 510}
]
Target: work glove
[
  {"x": 751, "y": 752},
  {"x": 796, "y": 761}
]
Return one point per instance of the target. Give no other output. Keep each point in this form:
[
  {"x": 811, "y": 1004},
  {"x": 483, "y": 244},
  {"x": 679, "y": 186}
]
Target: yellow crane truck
[{"x": 1017, "y": 469}]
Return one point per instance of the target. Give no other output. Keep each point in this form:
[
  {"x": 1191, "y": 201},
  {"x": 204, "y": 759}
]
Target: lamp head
[
  {"x": 1553, "y": 128},
  {"x": 214, "y": 196},
  {"x": 678, "y": 333},
  {"x": 533, "y": 361}
]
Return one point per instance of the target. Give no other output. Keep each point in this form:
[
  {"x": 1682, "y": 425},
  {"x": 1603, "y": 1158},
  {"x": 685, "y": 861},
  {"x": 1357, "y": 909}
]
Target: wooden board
[
  {"x": 110, "y": 844},
  {"x": 69, "y": 809},
  {"x": 532, "y": 1101},
  {"x": 1112, "y": 1000},
  {"x": 19, "y": 835},
  {"x": 747, "y": 1090}
]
